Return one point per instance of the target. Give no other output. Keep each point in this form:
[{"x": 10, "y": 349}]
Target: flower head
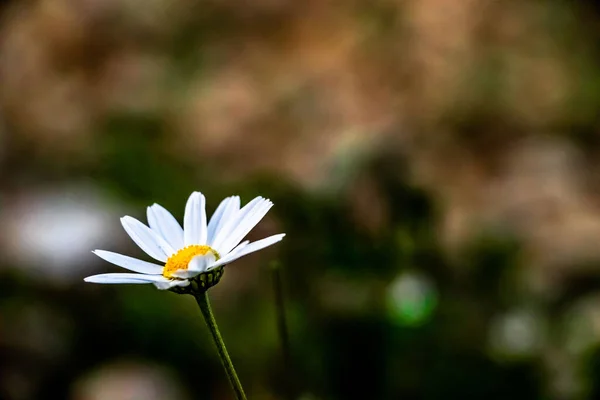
[{"x": 195, "y": 253}]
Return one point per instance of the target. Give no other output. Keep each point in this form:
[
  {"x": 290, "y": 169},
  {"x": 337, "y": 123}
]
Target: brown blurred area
[{"x": 488, "y": 107}]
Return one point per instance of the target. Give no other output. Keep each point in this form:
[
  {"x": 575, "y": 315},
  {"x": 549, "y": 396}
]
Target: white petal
[
  {"x": 130, "y": 263},
  {"x": 185, "y": 274},
  {"x": 164, "y": 223},
  {"x": 201, "y": 263},
  {"x": 239, "y": 247},
  {"x": 245, "y": 225},
  {"x": 223, "y": 213},
  {"x": 168, "y": 284},
  {"x": 154, "y": 245},
  {"x": 194, "y": 221},
  {"x": 125, "y": 278},
  {"x": 196, "y": 266},
  {"x": 115, "y": 280},
  {"x": 250, "y": 248},
  {"x": 231, "y": 223},
  {"x": 224, "y": 236}
]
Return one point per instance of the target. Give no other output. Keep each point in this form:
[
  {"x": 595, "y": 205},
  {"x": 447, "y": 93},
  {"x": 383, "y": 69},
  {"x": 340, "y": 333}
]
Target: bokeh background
[{"x": 435, "y": 165}]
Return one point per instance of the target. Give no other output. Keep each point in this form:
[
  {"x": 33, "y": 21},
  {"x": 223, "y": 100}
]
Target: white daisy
[{"x": 197, "y": 249}]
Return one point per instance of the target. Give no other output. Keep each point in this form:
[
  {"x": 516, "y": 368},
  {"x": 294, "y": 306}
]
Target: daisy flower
[{"x": 195, "y": 253}]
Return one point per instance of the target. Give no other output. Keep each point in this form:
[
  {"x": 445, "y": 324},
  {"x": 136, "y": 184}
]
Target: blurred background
[{"x": 435, "y": 165}]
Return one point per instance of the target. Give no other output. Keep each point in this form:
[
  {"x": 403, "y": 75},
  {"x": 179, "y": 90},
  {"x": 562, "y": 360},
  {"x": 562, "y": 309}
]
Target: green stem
[
  {"x": 204, "y": 304},
  {"x": 282, "y": 329}
]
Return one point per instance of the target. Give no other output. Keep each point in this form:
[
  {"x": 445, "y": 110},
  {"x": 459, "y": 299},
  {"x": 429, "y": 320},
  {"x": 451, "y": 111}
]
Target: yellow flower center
[{"x": 182, "y": 258}]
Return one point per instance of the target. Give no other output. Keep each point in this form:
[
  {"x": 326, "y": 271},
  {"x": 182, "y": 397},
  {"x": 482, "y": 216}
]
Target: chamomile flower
[{"x": 195, "y": 253}]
